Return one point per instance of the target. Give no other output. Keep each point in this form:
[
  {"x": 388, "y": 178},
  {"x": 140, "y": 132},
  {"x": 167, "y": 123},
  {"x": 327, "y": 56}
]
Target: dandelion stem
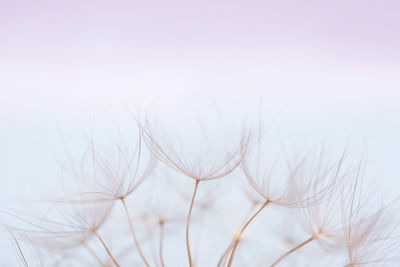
[
  {"x": 239, "y": 236},
  {"x": 133, "y": 232},
  {"x": 222, "y": 260},
  {"x": 20, "y": 250},
  {"x": 188, "y": 223},
  {"x": 224, "y": 256},
  {"x": 292, "y": 250},
  {"x": 161, "y": 243},
  {"x": 107, "y": 249}
]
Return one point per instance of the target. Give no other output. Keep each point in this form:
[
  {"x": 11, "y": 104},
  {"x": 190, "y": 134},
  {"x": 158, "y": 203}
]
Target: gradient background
[{"x": 327, "y": 69}]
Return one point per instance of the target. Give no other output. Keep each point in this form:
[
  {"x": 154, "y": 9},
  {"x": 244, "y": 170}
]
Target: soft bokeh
[{"x": 325, "y": 69}]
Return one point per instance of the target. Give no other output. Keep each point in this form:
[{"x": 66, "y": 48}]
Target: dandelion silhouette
[
  {"x": 326, "y": 195},
  {"x": 194, "y": 169}
]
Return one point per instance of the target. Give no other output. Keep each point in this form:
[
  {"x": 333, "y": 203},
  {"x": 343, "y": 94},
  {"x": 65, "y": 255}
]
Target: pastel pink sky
[
  {"x": 54, "y": 54},
  {"x": 71, "y": 32}
]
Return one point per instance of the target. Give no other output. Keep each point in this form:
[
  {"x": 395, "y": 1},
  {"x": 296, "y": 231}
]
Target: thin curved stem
[
  {"x": 188, "y": 223},
  {"x": 223, "y": 258},
  {"x": 21, "y": 254},
  {"x": 107, "y": 249},
  {"x": 133, "y": 232},
  {"x": 238, "y": 238},
  {"x": 292, "y": 250},
  {"x": 161, "y": 244}
]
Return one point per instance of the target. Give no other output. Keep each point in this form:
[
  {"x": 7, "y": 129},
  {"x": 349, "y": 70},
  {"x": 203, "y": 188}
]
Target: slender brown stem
[
  {"x": 107, "y": 249},
  {"x": 239, "y": 236},
  {"x": 292, "y": 250},
  {"x": 222, "y": 260},
  {"x": 19, "y": 249},
  {"x": 161, "y": 244},
  {"x": 188, "y": 223},
  {"x": 133, "y": 232},
  {"x": 223, "y": 257}
]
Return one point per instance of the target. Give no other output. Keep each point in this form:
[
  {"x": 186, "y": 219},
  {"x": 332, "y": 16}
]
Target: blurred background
[{"x": 320, "y": 70}]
